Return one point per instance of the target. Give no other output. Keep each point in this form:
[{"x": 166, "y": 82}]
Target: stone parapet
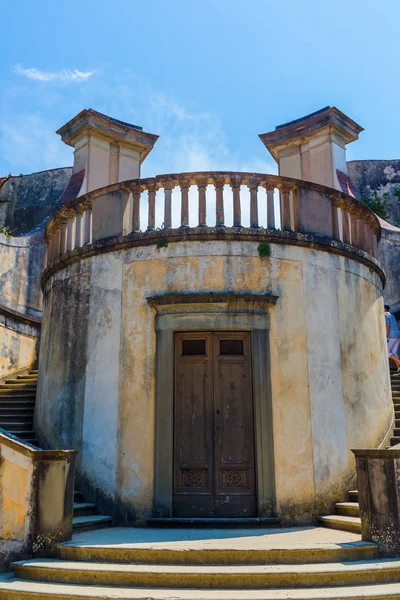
[{"x": 378, "y": 477}]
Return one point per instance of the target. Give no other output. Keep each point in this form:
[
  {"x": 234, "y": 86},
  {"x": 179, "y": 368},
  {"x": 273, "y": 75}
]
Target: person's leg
[{"x": 393, "y": 346}]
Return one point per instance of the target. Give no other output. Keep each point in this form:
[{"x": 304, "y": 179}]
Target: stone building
[{"x": 223, "y": 364}]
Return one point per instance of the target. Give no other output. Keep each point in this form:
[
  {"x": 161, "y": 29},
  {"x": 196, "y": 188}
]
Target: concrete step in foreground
[
  {"x": 209, "y": 576},
  {"x": 15, "y": 589}
]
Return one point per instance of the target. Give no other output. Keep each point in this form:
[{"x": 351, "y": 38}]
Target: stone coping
[
  {"x": 21, "y": 317},
  {"x": 391, "y": 453},
  {"x": 33, "y": 452},
  {"x": 205, "y": 234}
]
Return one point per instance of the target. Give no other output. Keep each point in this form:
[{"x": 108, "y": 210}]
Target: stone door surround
[{"x": 212, "y": 312}]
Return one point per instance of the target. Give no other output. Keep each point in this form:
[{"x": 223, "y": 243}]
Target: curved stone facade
[{"x": 327, "y": 366}]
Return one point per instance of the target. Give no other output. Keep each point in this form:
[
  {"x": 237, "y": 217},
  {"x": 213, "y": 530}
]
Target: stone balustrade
[{"x": 303, "y": 208}]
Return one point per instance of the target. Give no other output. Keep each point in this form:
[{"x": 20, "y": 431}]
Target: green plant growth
[
  {"x": 162, "y": 244},
  {"x": 5, "y": 230},
  {"x": 264, "y": 250},
  {"x": 379, "y": 204}
]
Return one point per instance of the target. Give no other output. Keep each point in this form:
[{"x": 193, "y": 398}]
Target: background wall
[
  {"x": 330, "y": 380},
  {"x": 25, "y": 203}
]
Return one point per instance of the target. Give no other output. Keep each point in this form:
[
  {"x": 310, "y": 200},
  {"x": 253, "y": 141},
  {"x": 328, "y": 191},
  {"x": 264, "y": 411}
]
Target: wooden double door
[{"x": 214, "y": 472}]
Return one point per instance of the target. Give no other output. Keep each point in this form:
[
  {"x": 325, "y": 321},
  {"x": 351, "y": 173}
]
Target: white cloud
[
  {"x": 30, "y": 142},
  {"x": 64, "y": 75}
]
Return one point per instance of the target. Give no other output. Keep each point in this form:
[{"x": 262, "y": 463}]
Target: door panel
[
  {"x": 213, "y": 426},
  {"x": 234, "y": 431},
  {"x": 193, "y": 426}
]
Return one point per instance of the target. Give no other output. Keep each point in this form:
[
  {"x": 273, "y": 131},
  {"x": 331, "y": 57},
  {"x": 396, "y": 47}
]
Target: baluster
[
  {"x": 57, "y": 243},
  {"x": 360, "y": 230},
  {"x": 151, "y": 221},
  {"x": 219, "y": 202},
  {"x": 63, "y": 235},
  {"x": 253, "y": 187},
  {"x": 70, "y": 234},
  {"x": 285, "y": 209},
  {"x": 53, "y": 249},
  {"x": 367, "y": 234},
  {"x": 87, "y": 236},
  {"x": 168, "y": 187},
  {"x": 236, "y": 182},
  {"x": 344, "y": 207},
  {"x": 202, "y": 186},
  {"x": 296, "y": 209},
  {"x": 136, "y": 191},
  {"x": 353, "y": 225},
  {"x": 184, "y": 185},
  {"x": 375, "y": 242},
  {"x": 335, "y": 217},
  {"x": 78, "y": 227},
  {"x": 270, "y": 208}
]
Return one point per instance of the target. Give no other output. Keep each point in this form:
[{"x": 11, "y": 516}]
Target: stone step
[
  {"x": 394, "y": 441},
  {"x": 17, "y": 392},
  {"x": 344, "y": 523},
  {"x": 349, "y": 509},
  {"x": 9, "y": 404},
  {"x": 29, "y": 376},
  {"x": 78, "y": 496},
  {"x": 17, "y": 386},
  {"x": 17, "y": 426},
  {"x": 90, "y": 522},
  {"x": 396, "y": 432},
  {"x": 353, "y": 495},
  {"x": 12, "y": 415},
  {"x": 107, "y": 547},
  {"x": 24, "y": 434},
  {"x": 209, "y": 576},
  {"x": 84, "y": 508},
  {"x": 16, "y": 589}
]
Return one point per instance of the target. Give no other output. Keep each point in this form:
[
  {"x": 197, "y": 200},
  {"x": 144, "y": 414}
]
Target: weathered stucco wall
[
  {"x": 329, "y": 370},
  {"x": 21, "y": 263},
  {"x": 389, "y": 256},
  {"x": 25, "y": 202}
]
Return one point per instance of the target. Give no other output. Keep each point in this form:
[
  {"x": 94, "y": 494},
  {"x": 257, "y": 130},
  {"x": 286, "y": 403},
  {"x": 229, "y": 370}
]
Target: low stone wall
[{"x": 36, "y": 497}]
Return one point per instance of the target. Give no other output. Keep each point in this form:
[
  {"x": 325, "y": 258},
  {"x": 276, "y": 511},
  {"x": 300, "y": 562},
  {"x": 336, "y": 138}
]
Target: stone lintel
[
  {"x": 223, "y": 297},
  {"x": 328, "y": 120},
  {"x": 90, "y": 121}
]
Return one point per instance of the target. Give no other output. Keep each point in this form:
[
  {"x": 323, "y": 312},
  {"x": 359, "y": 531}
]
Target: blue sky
[{"x": 207, "y": 76}]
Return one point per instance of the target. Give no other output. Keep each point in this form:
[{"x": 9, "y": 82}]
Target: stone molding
[{"x": 242, "y": 234}]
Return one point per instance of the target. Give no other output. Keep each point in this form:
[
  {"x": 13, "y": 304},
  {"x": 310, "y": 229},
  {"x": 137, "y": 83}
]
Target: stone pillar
[
  {"x": 219, "y": 202},
  {"x": 378, "y": 479},
  {"x": 107, "y": 150},
  {"x": 314, "y": 148},
  {"x": 202, "y": 186},
  {"x": 168, "y": 186},
  {"x": 184, "y": 204}
]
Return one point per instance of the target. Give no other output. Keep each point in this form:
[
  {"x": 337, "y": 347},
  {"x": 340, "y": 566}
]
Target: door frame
[{"x": 213, "y": 312}]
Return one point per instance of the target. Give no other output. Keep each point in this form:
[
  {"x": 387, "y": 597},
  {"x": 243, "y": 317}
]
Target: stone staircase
[
  {"x": 346, "y": 515},
  {"x": 109, "y": 566},
  {"x": 17, "y": 407}
]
